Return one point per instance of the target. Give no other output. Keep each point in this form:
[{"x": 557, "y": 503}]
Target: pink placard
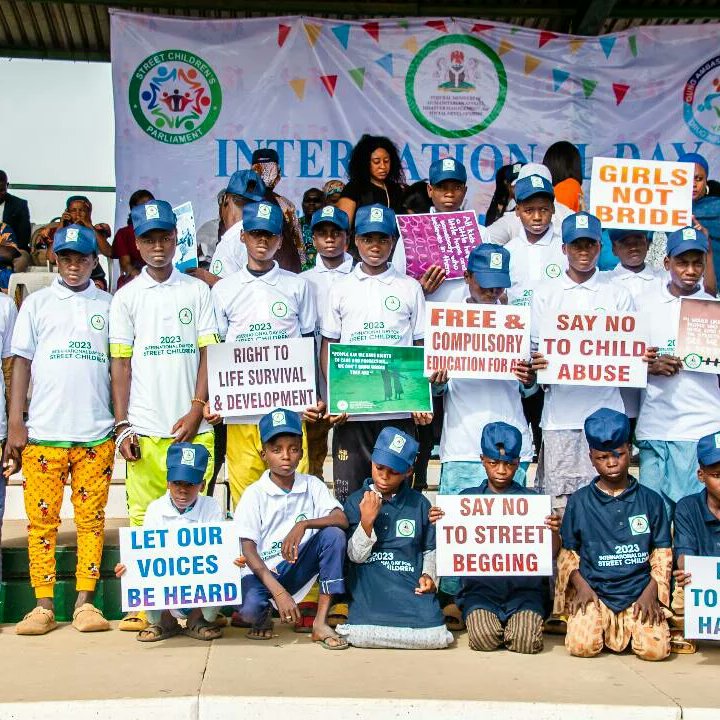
[{"x": 443, "y": 239}]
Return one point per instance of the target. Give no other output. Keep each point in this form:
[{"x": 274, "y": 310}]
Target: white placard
[{"x": 702, "y": 598}]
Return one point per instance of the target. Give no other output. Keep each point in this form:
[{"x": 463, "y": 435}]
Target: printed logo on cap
[
  {"x": 264, "y": 211},
  {"x": 188, "y": 456},
  {"x": 689, "y": 234},
  {"x": 278, "y": 418},
  {"x": 448, "y": 164},
  {"x": 639, "y": 525},
  {"x": 71, "y": 235},
  {"x": 496, "y": 261},
  {"x": 152, "y": 212},
  {"x": 405, "y": 528},
  {"x": 328, "y": 212},
  {"x": 536, "y": 181},
  {"x": 581, "y": 221},
  {"x": 376, "y": 214},
  {"x": 397, "y": 444}
]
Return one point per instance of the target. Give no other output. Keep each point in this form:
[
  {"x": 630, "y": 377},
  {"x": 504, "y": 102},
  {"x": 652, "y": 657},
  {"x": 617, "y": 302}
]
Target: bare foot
[{"x": 327, "y": 637}]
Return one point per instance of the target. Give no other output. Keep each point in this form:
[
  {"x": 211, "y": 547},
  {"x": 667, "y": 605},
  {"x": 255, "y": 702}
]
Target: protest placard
[
  {"x": 476, "y": 341},
  {"x": 702, "y": 598},
  {"x": 443, "y": 239},
  {"x": 647, "y": 195},
  {"x": 698, "y": 335},
  {"x": 254, "y": 379},
  {"x": 179, "y": 566},
  {"x": 493, "y": 535},
  {"x": 594, "y": 349},
  {"x": 377, "y": 379},
  {"x": 186, "y": 250}
]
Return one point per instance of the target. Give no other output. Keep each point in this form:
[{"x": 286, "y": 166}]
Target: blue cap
[
  {"x": 187, "y": 462},
  {"x": 500, "y": 441},
  {"x": 528, "y": 187},
  {"x": 708, "y": 449},
  {"x": 78, "y": 238},
  {"x": 152, "y": 215},
  {"x": 279, "y": 422},
  {"x": 607, "y": 429},
  {"x": 581, "y": 225},
  {"x": 395, "y": 449},
  {"x": 263, "y": 216},
  {"x": 447, "y": 169},
  {"x": 490, "y": 265},
  {"x": 696, "y": 158},
  {"x": 247, "y": 184},
  {"x": 685, "y": 239},
  {"x": 375, "y": 219},
  {"x": 617, "y": 234},
  {"x": 330, "y": 214}
]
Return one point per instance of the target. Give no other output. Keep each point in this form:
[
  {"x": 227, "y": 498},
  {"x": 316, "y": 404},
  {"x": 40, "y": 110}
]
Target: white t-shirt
[
  {"x": 230, "y": 255},
  {"x": 567, "y": 406},
  {"x": 65, "y": 336},
  {"x": 686, "y": 406},
  {"x": 509, "y": 225},
  {"x": 641, "y": 282},
  {"x": 162, "y": 512},
  {"x": 322, "y": 279},
  {"x": 8, "y": 315},
  {"x": 165, "y": 325}
]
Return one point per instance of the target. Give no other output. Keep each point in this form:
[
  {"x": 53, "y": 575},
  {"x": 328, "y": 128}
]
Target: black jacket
[{"x": 17, "y": 216}]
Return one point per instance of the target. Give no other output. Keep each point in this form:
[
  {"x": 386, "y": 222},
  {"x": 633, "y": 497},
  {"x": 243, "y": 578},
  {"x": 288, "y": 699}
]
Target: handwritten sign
[
  {"x": 647, "y": 195},
  {"x": 702, "y": 598},
  {"x": 699, "y": 335},
  {"x": 179, "y": 566},
  {"x": 254, "y": 379},
  {"x": 476, "y": 341},
  {"x": 494, "y": 535},
  {"x": 443, "y": 239},
  {"x": 186, "y": 249},
  {"x": 594, "y": 349}
]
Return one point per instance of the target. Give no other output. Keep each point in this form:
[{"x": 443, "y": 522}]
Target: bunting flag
[
  {"x": 358, "y": 76},
  {"x": 283, "y": 32},
  {"x": 342, "y": 33},
  {"x": 514, "y": 30},
  {"x": 386, "y": 63},
  {"x": 607, "y": 43},
  {"x": 298, "y": 86},
  {"x": 559, "y": 77},
  {"x": 312, "y": 32},
  {"x": 373, "y": 30},
  {"x": 329, "y": 81},
  {"x": 545, "y": 37},
  {"x": 576, "y": 44},
  {"x": 504, "y": 46},
  {"x": 480, "y": 27},
  {"x": 404, "y": 24},
  {"x": 620, "y": 91},
  {"x": 438, "y": 25},
  {"x": 632, "y": 42},
  {"x": 531, "y": 64},
  {"x": 411, "y": 45},
  {"x": 588, "y": 87}
]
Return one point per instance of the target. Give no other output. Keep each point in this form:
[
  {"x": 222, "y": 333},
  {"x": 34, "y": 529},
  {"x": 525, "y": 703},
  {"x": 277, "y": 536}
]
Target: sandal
[
  {"x": 338, "y": 614},
  {"x": 155, "y": 633},
  {"x": 87, "y": 618},
  {"x": 556, "y": 625},
  {"x": 680, "y": 645},
  {"x": 134, "y": 622},
  {"x": 261, "y": 626},
  {"x": 39, "y": 621},
  {"x": 204, "y": 630},
  {"x": 453, "y": 618},
  {"x": 308, "y": 611},
  {"x": 333, "y": 642}
]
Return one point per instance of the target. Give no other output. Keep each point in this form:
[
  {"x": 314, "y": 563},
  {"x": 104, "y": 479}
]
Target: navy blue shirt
[
  {"x": 503, "y": 596},
  {"x": 614, "y": 537},
  {"x": 383, "y": 587},
  {"x": 697, "y": 530}
]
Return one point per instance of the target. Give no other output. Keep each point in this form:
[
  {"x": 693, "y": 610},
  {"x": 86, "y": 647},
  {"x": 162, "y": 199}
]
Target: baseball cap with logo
[
  {"x": 395, "y": 449},
  {"x": 528, "y": 187},
  {"x": 279, "y": 422},
  {"x": 247, "y": 184},
  {"x": 617, "y": 234},
  {"x": 501, "y": 441},
  {"x": 580, "y": 226},
  {"x": 263, "y": 216},
  {"x": 187, "y": 462},
  {"x": 447, "y": 169},
  {"x": 490, "y": 265},
  {"x": 708, "y": 449},
  {"x": 607, "y": 430},
  {"x": 153, "y": 215},
  {"x": 375, "y": 219},
  {"x": 686, "y": 239},
  {"x": 78, "y": 238},
  {"x": 534, "y": 169},
  {"x": 330, "y": 214}
]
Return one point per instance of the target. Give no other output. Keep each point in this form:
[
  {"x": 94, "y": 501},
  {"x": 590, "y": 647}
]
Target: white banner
[
  {"x": 702, "y": 598},
  {"x": 194, "y": 98}
]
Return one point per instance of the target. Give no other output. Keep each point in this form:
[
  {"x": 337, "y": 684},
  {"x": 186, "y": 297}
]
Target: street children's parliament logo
[
  {"x": 456, "y": 86},
  {"x": 701, "y": 101},
  {"x": 175, "y": 96}
]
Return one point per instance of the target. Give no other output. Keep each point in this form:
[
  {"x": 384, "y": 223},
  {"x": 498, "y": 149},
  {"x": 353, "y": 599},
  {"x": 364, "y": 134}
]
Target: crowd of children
[{"x": 128, "y": 374}]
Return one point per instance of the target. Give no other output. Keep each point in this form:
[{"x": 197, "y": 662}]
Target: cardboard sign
[
  {"x": 698, "y": 337},
  {"x": 493, "y": 535},
  {"x": 186, "y": 257},
  {"x": 476, "y": 341},
  {"x": 702, "y": 598},
  {"x": 377, "y": 379},
  {"x": 443, "y": 239},
  {"x": 647, "y": 195},
  {"x": 254, "y": 379},
  {"x": 179, "y": 566},
  {"x": 594, "y": 349}
]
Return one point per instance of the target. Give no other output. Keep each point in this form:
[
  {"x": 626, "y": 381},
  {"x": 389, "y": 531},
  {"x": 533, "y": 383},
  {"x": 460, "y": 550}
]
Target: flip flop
[
  {"x": 556, "y": 625},
  {"x": 155, "y": 633},
  {"x": 340, "y": 643},
  {"x": 203, "y": 630},
  {"x": 338, "y": 614},
  {"x": 263, "y": 624},
  {"x": 134, "y": 622},
  {"x": 453, "y": 618}
]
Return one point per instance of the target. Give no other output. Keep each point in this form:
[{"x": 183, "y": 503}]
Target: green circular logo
[
  {"x": 456, "y": 86},
  {"x": 175, "y": 96},
  {"x": 405, "y": 528},
  {"x": 553, "y": 270},
  {"x": 185, "y": 316},
  {"x": 217, "y": 267},
  {"x": 693, "y": 361},
  {"x": 97, "y": 322},
  {"x": 392, "y": 303},
  {"x": 279, "y": 309}
]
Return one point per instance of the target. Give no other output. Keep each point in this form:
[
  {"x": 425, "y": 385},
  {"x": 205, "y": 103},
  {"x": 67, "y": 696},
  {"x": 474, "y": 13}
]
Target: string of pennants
[{"x": 560, "y": 77}]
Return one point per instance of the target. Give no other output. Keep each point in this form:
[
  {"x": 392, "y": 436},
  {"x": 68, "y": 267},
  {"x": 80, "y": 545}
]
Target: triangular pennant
[
  {"x": 283, "y": 32},
  {"x": 504, "y": 46},
  {"x": 632, "y": 42},
  {"x": 329, "y": 81},
  {"x": 342, "y": 33},
  {"x": 358, "y": 76},
  {"x": 514, "y": 30},
  {"x": 438, "y": 25},
  {"x": 373, "y": 30},
  {"x": 588, "y": 87},
  {"x": 576, "y": 44},
  {"x": 531, "y": 64},
  {"x": 298, "y": 85},
  {"x": 545, "y": 37},
  {"x": 404, "y": 24},
  {"x": 411, "y": 44},
  {"x": 480, "y": 27},
  {"x": 312, "y": 32},
  {"x": 607, "y": 43},
  {"x": 559, "y": 77},
  {"x": 386, "y": 63},
  {"x": 620, "y": 91}
]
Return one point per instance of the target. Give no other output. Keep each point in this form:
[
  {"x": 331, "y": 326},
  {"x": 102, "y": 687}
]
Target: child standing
[{"x": 61, "y": 344}]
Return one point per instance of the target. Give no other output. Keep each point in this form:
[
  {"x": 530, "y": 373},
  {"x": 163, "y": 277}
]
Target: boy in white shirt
[
  {"x": 61, "y": 344},
  {"x": 187, "y": 464},
  {"x": 292, "y": 532},
  {"x": 678, "y": 406}
]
